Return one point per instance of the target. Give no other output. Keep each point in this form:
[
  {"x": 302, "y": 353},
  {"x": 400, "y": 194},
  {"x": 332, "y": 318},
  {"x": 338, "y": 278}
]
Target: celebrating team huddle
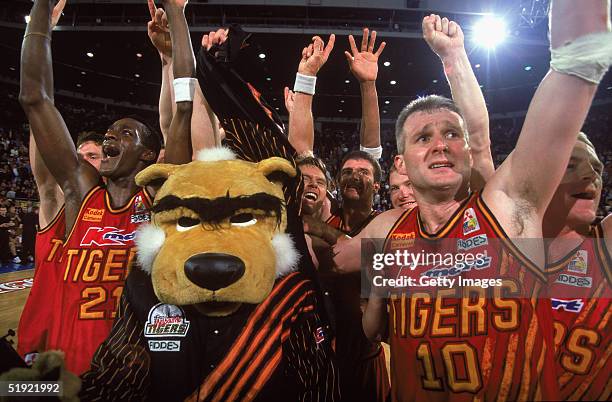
[{"x": 233, "y": 273}]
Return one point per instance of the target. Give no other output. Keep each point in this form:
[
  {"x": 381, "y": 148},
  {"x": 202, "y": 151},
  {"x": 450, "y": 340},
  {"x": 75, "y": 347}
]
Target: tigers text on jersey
[
  {"x": 469, "y": 343},
  {"x": 95, "y": 262},
  {"x": 579, "y": 287}
]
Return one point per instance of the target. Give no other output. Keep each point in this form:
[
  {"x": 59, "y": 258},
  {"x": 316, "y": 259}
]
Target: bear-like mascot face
[{"x": 217, "y": 234}]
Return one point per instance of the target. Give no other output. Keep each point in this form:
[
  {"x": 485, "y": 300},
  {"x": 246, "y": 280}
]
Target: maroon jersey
[
  {"x": 579, "y": 286},
  {"x": 96, "y": 259},
  {"x": 38, "y": 311},
  {"x": 469, "y": 342}
]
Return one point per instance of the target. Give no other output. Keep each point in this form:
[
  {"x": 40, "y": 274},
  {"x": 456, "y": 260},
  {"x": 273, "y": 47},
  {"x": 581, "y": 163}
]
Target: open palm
[{"x": 364, "y": 63}]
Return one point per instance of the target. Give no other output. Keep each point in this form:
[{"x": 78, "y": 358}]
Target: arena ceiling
[{"x": 125, "y": 66}]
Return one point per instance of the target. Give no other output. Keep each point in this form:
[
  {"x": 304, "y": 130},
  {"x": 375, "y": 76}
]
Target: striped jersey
[
  {"x": 468, "y": 341},
  {"x": 272, "y": 351},
  {"x": 579, "y": 287}
]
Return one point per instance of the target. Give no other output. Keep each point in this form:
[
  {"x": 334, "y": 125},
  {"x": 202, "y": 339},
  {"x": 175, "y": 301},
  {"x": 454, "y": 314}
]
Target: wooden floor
[{"x": 11, "y": 303}]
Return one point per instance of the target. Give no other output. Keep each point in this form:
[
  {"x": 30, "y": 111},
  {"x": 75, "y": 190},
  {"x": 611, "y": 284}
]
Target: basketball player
[
  {"x": 579, "y": 278},
  {"x": 494, "y": 353},
  {"x": 38, "y": 312},
  {"x": 100, "y": 220}
]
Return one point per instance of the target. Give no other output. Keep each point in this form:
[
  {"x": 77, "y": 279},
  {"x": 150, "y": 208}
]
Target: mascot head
[{"x": 216, "y": 238}]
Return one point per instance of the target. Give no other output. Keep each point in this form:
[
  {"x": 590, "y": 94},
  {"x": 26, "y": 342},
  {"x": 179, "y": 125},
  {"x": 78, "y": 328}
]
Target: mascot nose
[{"x": 214, "y": 271}]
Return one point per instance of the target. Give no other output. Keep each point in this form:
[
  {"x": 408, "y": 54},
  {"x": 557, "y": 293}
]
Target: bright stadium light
[
  {"x": 490, "y": 31},
  {"x": 27, "y": 19}
]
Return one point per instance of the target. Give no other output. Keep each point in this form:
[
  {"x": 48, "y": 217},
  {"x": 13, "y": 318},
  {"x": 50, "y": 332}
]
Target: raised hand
[
  {"x": 158, "y": 30},
  {"x": 57, "y": 12},
  {"x": 364, "y": 63},
  {"x": 289, "y": 99},
  {"x": 315, "y": 55},
  {"x": 442, "y": 36},
  {"x": 214, "y": 38}
]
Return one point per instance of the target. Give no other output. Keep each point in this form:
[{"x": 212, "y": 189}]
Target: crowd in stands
[{"x": 18, "y": 190}]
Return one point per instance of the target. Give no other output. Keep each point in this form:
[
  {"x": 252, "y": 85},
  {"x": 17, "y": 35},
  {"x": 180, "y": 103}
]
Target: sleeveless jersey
[
  {"x": 579, "y": 287},
  {"x": 38, "y": 312},
  {"x": 467, "y": 342},
  {"x": 95, "y": 262}
]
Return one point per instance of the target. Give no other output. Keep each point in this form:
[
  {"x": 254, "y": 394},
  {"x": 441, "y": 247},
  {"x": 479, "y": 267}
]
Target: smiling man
[
  {"x": 400, "y": 190},
  {"x": 359, "y": 179},
  {"x": 579, "y": 278},
  {"x": 100, "y": 219}
]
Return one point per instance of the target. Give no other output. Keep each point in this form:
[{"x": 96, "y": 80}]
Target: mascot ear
[
  {"x": 276, "y": 169},
  {"x": 155, "y": 175}
]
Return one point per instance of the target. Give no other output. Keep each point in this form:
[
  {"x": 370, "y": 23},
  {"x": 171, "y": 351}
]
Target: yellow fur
[{"x": 252, "y": 244}]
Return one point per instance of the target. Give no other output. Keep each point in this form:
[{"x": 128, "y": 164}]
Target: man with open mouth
[
  {"x": 578, "y": 271},
  {"x": 101, "y": 218}
]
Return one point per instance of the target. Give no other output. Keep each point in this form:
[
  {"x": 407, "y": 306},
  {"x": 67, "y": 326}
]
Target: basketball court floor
[{"x": 15, "y": 285}]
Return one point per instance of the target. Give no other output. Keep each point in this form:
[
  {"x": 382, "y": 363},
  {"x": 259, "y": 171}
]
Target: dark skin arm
[
  {"x": 75, "y": 176},
  {"x": 178, "y": 147}
]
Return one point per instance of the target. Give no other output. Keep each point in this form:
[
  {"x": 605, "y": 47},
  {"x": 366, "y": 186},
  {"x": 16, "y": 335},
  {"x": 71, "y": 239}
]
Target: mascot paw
[{"x": 49, "y": 366}]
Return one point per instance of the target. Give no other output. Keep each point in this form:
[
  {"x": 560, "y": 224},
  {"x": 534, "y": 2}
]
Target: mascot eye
[
  {"x": 184, "y": 224},
  {"x": 243, "y": 220}
]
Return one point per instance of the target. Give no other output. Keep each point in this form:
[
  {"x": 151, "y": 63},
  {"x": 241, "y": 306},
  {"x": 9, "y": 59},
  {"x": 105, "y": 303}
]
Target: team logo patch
[
  {"x": 579, "y": 262},
  {"x": 107, "y": 236},
  {"x": 573, "y": 306},
  {"x": 470, "y": 222},
  {"x": 459, "y": 268},
  {"x": 472, "y": 242},
  {"x": 166, "y": 320},
  {"x": 164, "y": 346},
  {"x": 93, "y": 215},
  {"x": 139, "y": 205},
  {"x": 577, "y": 281}
]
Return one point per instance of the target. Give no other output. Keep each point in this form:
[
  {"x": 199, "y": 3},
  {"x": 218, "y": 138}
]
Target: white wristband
[
  {"x": 184, "y": 88},
  {"x": 305, "y": 84},
  {"x": 376, "y": 153}
]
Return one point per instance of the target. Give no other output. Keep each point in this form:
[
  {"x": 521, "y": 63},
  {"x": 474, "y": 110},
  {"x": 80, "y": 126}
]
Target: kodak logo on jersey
[
  {"x": 93, "y": 215},
  {"x": 107, "y": 236}
]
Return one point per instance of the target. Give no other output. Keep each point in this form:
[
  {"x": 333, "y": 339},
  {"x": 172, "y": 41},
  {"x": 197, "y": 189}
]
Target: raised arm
[
  {"x": 74, "y": 176},
  {"x": 159, "y": 34},
  {"x": 364, "y": 66},
  {"x": 49, "y": 192},
  {"x": 204, "y": 131},
  {"x": 445, "y": 38},
  {"x": 178, "y": 147},
  {"x": 301, "y": 125},
  {"x": 528, "y": 178}
]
